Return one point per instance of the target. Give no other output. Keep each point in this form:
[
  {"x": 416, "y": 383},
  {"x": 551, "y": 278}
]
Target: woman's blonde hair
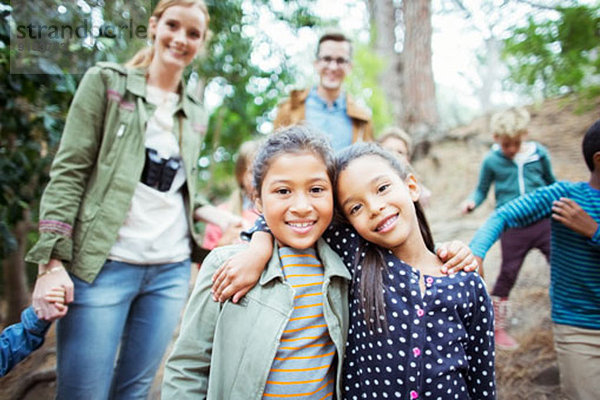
[{"x": 143, "y": 58}]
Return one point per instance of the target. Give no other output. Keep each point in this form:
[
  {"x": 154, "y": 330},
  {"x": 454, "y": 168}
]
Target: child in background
[
  {"x": 574, "y": 266},
  {"x": 240, "y": 202},
  {"x": 287, "y": 337},
  {"x": 19, "y": 340},
  {"x": 414, "y": 332},
  {"x": 515, "y": 168},
  {"x": 397, "y": 141}
]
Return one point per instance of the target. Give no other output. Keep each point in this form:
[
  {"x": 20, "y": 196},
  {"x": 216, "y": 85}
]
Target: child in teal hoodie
[{"x": 515, "y": 167}]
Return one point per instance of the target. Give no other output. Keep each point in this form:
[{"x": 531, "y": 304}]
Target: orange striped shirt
[{"x": 303, "y": 367}]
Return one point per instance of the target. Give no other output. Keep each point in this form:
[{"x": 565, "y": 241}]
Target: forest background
[{"x": 522, "y": 52}]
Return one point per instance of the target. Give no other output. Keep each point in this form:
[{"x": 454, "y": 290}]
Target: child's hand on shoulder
[
  {"x": 456, "y": 256},
  {"x": 235, "y": 277},
  {"x": 242, "y": 271}
]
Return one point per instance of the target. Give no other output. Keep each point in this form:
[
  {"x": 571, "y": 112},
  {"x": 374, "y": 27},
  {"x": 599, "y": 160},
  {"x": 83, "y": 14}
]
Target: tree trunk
[
  {"x": 385, "y": 17},
  {"x": 489, "y": 74},
  {"x": 15, "y": 279},
  {"x": 421, "y": 114}
]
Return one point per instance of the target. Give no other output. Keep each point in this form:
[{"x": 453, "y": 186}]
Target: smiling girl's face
[
  {"x": 378, "y": 203},
  {"x": 296, "y": 199}
]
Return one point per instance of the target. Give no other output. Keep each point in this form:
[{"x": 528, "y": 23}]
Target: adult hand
[
  {"x": 56, "y": 296},
  {"x": 233, "y": 222},
  {"x": 222, "y": 218},
  {"x": 231, "y": 236},
  {"x": 456, "y": 256},
  {"x": 51, "y": 276},
  {"x": 571, "y": 215}
]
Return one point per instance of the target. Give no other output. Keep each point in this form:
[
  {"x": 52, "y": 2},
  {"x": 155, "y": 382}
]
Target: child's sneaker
[{"x": 503, "y": 340}]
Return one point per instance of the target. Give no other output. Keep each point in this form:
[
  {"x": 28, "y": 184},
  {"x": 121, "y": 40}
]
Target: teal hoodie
[{"x": 512, "y": 179}]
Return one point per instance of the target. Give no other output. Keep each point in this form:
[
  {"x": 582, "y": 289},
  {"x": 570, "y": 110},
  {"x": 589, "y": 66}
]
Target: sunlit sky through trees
[{"x": 458, "y": 42}]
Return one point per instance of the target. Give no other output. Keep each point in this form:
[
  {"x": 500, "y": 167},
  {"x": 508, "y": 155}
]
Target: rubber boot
[{"x": 503, "y": 340}]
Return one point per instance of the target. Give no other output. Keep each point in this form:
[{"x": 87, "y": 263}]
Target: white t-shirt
[
  {"x": 526, "y": 154},
  {"x": 156, "y": 230}
]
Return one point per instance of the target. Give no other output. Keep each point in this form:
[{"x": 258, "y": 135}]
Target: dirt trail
[{"x": 450, "y": 173}]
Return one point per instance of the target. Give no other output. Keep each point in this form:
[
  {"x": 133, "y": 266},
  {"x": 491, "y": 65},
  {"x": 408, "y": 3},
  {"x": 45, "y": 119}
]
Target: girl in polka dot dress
[{"x": 414, "y": 332}]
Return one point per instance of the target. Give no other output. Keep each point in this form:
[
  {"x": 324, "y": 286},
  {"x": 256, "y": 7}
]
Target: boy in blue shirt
[
  {"x": 574, "y": 262},
  {"x": 515, "y": 168},
  {"x": 19, "y": 340}
]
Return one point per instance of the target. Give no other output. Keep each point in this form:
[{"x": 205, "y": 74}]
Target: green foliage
[
  {"x": 363, "y": 82},
  {"x": 34, "y": 104},
  {"x": 30, "y": 120},
  {"x": 252, "y": 74},
  {"x": 557, "y": 56}
]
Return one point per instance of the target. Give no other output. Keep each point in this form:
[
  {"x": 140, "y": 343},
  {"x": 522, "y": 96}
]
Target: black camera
[{"x": 159, "y": 172}]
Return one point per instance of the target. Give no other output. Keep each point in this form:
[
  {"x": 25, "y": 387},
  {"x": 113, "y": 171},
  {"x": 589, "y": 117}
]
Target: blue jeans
[{"x": 129, "y": 309}]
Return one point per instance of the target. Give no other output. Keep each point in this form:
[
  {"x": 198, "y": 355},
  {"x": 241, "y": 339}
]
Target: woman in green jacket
[{"x": 118, "y": 212}]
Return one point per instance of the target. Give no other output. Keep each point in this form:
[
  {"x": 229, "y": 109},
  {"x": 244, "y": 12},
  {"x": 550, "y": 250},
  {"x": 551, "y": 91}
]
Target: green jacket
[
  {"x": 99, "y": 163},
  {"x": 225, "y": 350}
]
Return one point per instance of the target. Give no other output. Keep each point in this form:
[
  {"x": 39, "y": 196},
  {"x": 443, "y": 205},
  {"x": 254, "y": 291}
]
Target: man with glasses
[{"x": 327, "y": 107}]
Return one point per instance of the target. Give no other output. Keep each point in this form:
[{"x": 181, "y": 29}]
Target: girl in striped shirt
[{"x": 286, "y": 338}]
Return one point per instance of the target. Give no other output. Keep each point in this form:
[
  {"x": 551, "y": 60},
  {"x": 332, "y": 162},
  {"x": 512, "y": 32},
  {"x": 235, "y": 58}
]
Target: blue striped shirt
[{"x": 574, "y": 259}]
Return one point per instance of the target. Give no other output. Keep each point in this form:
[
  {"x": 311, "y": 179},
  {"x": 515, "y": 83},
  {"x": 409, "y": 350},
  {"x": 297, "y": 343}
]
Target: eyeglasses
[{"x": 340, "y": 61}]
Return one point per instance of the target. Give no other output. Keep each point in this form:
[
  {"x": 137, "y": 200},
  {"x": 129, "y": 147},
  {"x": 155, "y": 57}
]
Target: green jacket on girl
[{"x": 225, "y": 350}]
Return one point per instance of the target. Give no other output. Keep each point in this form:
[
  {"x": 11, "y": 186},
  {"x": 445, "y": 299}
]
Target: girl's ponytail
[
  {"x": 369, "y": 271},
  {"x": 424, "y": 227}
]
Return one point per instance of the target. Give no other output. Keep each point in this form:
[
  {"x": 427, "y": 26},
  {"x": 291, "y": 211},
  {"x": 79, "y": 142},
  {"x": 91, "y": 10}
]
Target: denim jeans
[{"x": 130, "y": 310}]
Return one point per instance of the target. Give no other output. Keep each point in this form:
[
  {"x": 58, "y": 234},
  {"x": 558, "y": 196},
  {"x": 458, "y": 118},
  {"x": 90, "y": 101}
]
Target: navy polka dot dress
[{"x": 438, "y": 345}]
